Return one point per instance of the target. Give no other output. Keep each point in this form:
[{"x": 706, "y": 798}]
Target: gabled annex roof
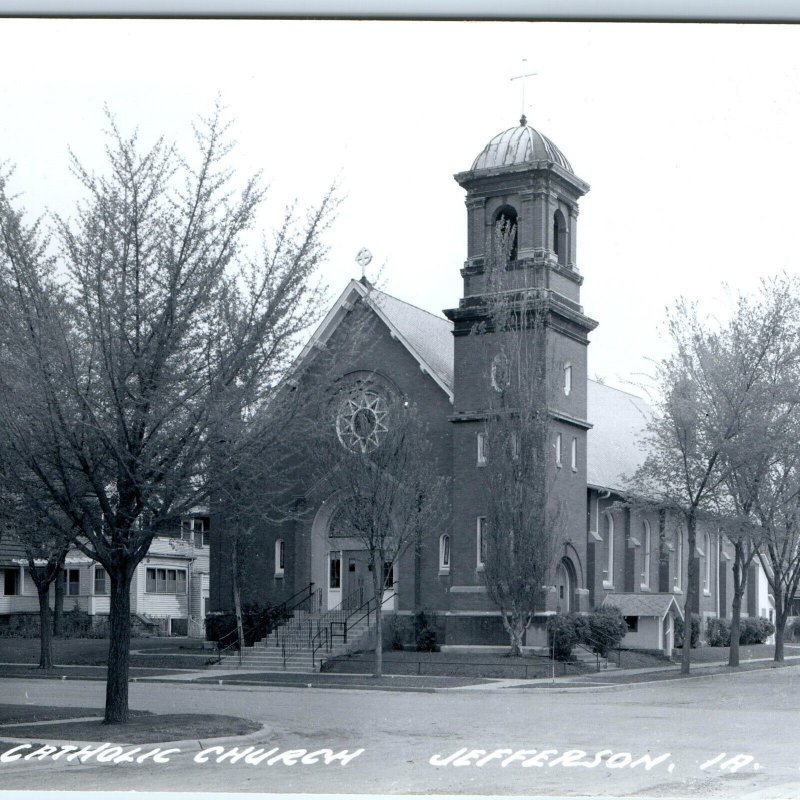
[
  {"x": 614, "y": 446},
  {"x": 427, "y": 337},
  {"x": 657, "y": 604}
]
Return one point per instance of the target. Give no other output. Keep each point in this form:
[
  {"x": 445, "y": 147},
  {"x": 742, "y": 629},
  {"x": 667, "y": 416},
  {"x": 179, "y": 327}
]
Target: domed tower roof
[{"x": 519, "y": 145}]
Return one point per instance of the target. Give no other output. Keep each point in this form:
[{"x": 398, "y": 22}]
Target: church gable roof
[{"x": 427, "y": 338}]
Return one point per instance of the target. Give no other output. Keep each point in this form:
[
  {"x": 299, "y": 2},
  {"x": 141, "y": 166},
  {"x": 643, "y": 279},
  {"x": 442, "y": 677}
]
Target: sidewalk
[{"x": 390, "y": 682}]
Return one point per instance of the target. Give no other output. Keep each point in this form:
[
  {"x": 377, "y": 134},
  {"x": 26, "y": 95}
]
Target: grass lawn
[
  {"x": 454, "y": 664},
  {"x": 175, "y": 653},
  {"x": 141, "y": 729},
  {"x": 11, "y": 714},
  {"x": 746, "y": 652}
]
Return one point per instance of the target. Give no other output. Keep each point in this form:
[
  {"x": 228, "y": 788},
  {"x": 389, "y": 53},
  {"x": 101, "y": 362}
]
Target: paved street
[{"x": 751, "y": 714}]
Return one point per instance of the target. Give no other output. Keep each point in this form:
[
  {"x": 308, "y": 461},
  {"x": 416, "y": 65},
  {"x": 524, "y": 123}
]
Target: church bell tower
[{"x": 522, "y": 211}]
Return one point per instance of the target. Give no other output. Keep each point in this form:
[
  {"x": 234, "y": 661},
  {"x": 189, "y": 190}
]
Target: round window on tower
[{"x": 361, "y": 417}]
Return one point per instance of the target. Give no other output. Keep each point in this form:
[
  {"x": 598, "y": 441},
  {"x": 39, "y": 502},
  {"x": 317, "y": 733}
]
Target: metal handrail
[{"x": 308, "y": 595}]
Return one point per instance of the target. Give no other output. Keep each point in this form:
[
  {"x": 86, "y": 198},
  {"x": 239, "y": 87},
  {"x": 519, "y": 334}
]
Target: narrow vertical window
[
  {"x": 481, "y": 543},
  {"x": 678, "y": 561},
  {"x": 560, "y": 237},
  {"x": 567, "y": 379},
  {"x": 481, "y": 449},
  {"x": 608, "y": 524},
  {"x": 444, "y": 553},
  {"x": 558, "y": 449},
  {"x": 280, "y": 555},
  {"x": 646, "y": 544},
  {"x": 707, "y": 571},
  {"x": 574, "y": 454}
]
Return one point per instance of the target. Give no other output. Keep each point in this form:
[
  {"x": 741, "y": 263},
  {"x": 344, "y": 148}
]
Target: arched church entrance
[
  {"x": 341, "y": 563},
  {"x": 566, "y": 581}
]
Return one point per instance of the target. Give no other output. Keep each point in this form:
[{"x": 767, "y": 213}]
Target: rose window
[{"x": 361, "y": 420}]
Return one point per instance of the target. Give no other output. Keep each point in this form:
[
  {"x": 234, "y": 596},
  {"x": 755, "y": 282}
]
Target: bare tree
[
  {"x": 373, "y": 456},
  {"x": 122, "y": 343},
  {"x": 524, "y": 521}
]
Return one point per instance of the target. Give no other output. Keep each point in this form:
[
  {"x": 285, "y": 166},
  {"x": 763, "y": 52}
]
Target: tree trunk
[
  {"x": 516, "y": 631},
  {"x": 377, "y": 585},
  {"x": 780, "y": 626},
  {"x": 58, "y": 605},
  {"x": 45, "y": 629},
  {"x": 237, "y": 593},
  {"x": 692, "y": 592},
  {"x": 119, "y": 646},
  {"x": 736, "y": 615}
]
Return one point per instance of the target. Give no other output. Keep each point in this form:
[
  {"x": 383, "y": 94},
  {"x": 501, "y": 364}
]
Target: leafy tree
[
  {"x": 122, "y": 329},
  {"x": 692, "y": 440}
]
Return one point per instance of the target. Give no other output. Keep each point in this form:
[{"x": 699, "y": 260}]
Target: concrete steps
[{"x": 267, "y": 655}]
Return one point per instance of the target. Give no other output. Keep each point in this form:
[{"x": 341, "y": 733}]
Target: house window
[
  {"x": 481, "y": 449},
  {"x": 195, "y": 529},
  {"x": 165, "y": 581},
  {"x": 100, "y": 581},
  {"x": 481, "y": 543},
  {"x": 558, "y": 450},
  {"x": 608, "y": 521},
  {"x": 280, "y": 554},
  {"x": 72, "y": 582},
  {"x": 574, "y": 454},
  {"x": 646, "y": 543},
  {"x": 10, "y": 581},
  {"x": 707, "y": 560},
  {"x": 632, "y": 623},
  {"x": 676, "y": 586},
  {"x": 444, "y": 553},
  {"x": 388, "y": 575},
  {"x": 567, "y": 379}
]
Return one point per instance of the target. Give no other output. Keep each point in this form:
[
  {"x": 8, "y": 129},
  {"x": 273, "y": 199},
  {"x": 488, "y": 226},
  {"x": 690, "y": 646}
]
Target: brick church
[{"x": 637, "y": 562}]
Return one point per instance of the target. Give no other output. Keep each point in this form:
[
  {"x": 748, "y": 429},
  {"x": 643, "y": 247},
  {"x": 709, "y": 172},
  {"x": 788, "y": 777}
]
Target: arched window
[
  {"x": 646, "y": 544},
  {"x": 280, "y": 556},
  {"x": 707, "y": 571},
  {"x": 678, "y": 561},
  {"x": 560, "y": 237},
  {"x": 574, "y": 454},
  {"x": 505, "y": 229},
  {"x": 608, "y": 525},
  {"x": 558, "y": 449},
  {"x": 444, "y": 553}
]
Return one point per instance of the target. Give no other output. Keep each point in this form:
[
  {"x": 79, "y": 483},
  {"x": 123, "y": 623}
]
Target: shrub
[
  {"x": 561, "y": 636},
  {"x": 755, "y": 630},
  {"x": 425, "y": 633},
  {"x": 606, "y": 629},
  {"x": 695, "y": 634},
  {"x": 718, "y": 632}
]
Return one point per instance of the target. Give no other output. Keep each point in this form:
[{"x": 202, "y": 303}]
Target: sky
[{"x": 687, "y": 133}]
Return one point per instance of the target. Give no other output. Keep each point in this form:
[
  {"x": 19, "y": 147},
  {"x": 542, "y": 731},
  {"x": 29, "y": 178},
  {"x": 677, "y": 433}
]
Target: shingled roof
[
  {"x": 643, "y": 604},
  {"x": 614, "y": 446},
  {"x": 618, "y": 418}
]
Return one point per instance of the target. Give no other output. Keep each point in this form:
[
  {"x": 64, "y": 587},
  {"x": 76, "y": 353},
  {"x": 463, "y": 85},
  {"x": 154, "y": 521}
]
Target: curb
[{"x": 185, "y": 745}]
